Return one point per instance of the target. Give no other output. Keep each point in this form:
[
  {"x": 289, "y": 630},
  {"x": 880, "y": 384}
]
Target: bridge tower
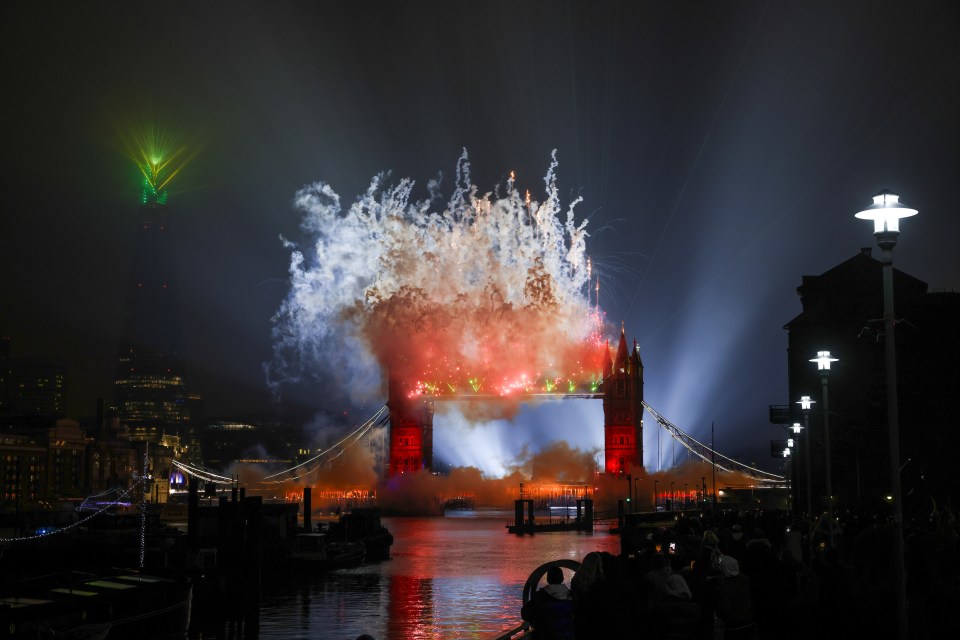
[
  {"x": 411, "y": 429},
  {"x": 623, "y": 409}
]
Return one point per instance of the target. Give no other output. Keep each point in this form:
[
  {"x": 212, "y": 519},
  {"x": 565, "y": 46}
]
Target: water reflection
[{"x": 452, "y": 577}]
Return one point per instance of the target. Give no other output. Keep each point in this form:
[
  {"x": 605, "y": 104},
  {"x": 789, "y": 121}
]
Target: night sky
[{"x": 721, "y": 150}]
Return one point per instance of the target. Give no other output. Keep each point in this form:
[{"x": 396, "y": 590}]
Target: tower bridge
[
  {"x": 620, "y": 389},
  {"x": 408, "y": 416}
]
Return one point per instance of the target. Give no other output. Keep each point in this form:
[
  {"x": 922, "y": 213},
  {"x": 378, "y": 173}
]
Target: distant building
[
  {"x": 37, "y": 386},
  {"x": 261, "y": 439},
  {"x": 67, "y": 472},
  {"x": 150, "y": 390},
  {"x": 4, "y": 372},
  {"x": 23, "y": 469},
  {"x": 43, "y": 463},
  {"x": 44, "y": 460},
  {"x": 842, "y": 313},
  {"x": 31, "y": 386}
]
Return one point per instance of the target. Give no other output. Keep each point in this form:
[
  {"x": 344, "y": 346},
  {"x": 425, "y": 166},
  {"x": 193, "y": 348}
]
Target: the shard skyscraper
[{"x": 150, "y": 392}]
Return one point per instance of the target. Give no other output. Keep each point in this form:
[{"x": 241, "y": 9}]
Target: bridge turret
[
  {"x": 621, "y": 362},
  {"x": 636, "y": 364},
  {"x": 623, "y": 410}
]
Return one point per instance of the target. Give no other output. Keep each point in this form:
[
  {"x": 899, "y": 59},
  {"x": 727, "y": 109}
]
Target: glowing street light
[
  {"x": 823, "y": 361},
  {"x": 886, "y": 212}
]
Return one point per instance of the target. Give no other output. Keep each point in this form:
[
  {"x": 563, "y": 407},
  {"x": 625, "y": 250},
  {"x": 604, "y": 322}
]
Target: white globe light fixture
[
  {"x": 886, "y": 212},
  {"x": 823, "y": 361}
]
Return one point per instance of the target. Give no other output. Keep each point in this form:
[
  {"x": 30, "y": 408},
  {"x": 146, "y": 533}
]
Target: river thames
[{"x": 458, "y": 576}]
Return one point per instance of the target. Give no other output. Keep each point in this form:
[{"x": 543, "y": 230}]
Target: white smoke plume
[{"x": 487, "y": 295}]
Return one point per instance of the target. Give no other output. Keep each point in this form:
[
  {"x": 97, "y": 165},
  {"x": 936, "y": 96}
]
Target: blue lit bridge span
[{"x": 377, "y": 424}]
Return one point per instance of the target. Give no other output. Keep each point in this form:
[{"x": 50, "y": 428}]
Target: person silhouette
[{"x": 550, "y": 609}]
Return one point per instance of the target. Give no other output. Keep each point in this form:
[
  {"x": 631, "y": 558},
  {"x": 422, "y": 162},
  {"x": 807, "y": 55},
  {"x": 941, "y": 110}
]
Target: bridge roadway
[{"x": 488, "y": 397}]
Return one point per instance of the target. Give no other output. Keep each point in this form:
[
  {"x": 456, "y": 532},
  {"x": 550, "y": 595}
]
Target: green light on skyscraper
[{"x": 159, "y": 157}]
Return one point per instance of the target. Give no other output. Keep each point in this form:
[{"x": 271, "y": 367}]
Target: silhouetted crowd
[{"x": 758, "y": 576}]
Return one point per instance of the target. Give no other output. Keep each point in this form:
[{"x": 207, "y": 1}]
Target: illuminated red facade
[
  {"x": 623, "y": 409},
  {"x": 411, "y": 430}
]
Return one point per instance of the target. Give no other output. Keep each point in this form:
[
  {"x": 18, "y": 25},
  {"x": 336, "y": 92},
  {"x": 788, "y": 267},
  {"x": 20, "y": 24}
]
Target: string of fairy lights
[
  {"x": 143, "y": 507},
  {"x": 119, "y": 500}
]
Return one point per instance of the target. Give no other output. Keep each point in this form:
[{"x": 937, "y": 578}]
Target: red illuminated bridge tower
[
  {"x": 411, "y": 429},
  {"x": 411, "y": 416},
  {"x": 623, "y": 409}
]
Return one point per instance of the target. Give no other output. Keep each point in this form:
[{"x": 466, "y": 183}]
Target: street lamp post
[
  {"x": 656, "y": 497},
  {"x": 630, "y": 493},
  {"x": 823, "y": 361},
  {"x": 886, "y": 212},
  {"x": 673, "y": 498},
  {"x": 791, "y": 477},
  {"x": 636, "y": 490},
  {"x": 797, "y": 430},
  {"x": 685, "y": 495},
  {"x": 805, "y": 404}
]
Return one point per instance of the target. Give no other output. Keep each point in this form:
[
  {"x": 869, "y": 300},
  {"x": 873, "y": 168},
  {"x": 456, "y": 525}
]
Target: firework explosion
[{"x": 487, "y": 296}]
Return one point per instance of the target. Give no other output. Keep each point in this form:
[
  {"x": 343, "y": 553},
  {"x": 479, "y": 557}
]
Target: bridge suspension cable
[
  {"x": 308, "y": 466},
  {"x": 704, "y": 452},
  {"x": 202, "y": 474},
  {"x": 301, "y": 469}
]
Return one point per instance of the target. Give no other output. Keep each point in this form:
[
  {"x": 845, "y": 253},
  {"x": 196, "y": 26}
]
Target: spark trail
[{"x": 489, "y": 295}]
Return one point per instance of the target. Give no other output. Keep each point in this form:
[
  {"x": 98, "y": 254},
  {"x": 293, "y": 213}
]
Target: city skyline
[{"x": 721, "y": 153}]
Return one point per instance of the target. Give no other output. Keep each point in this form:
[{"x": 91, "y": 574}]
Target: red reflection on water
[
  {"x": 411, "y": 605},
  {"x": 462, "y": 577}
]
